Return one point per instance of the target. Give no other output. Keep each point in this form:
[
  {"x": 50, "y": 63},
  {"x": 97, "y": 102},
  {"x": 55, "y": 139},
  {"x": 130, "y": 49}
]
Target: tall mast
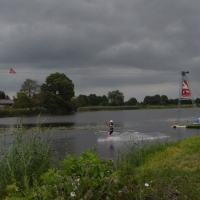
[{"x": 184, "y": 93}]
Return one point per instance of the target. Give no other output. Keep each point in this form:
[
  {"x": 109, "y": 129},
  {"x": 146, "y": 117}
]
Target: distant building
[{"x": 6, "y": 103}]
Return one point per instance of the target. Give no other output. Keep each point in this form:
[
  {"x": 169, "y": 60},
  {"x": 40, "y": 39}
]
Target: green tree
[
  {"x": 197, "y": 100},
  {"x": 173, "y": 101},
  {"x": 164, "y": 100},
  {"x": 131, "y": 102},
  {"x": 103, "y": 100},
  {"x": 147, "y": 100},
  {"x": 157, "y": 99},
  {"x": 82, "y": 100},
  {"x": 152, "y": 100},
  {"x": 57, "y": 93},
  {"x": 28, "y": 96},
  {"x": 2, "y": 95},
  {"x": 93, "y": 100},
  {"x": 30, "y": 87},
  {"x": 22, "y": 101},
  {"x": 116, "y": 98}
]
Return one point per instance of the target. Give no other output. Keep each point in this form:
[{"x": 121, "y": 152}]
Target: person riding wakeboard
[{"x": 111, "y": 125}]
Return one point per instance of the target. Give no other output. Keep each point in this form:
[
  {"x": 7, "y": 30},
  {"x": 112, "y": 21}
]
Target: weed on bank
[
  {"x": 22, "y": 161},
  {"x": 160, "y": 171}
]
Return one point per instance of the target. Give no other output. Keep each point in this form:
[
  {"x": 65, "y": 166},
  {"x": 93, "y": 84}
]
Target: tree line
[{"x": 57, "y": 95}]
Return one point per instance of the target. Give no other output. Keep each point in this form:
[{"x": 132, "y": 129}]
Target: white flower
[
  {"x": 78, "y": 179},
  {"x": 72, "y": 194},
  {"x": 146, "y": 185}
]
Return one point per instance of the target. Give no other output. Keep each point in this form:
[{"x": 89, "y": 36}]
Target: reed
[
  {"x": 102, "y": 108},
  {"x": 140, "y": 106},
  {"x": 23, "y": 160}
]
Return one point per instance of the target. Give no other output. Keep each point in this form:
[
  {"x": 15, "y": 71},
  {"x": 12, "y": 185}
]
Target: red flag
[
  {"x": 185, "y": 89},
  {"x": 12, "y": 71}
]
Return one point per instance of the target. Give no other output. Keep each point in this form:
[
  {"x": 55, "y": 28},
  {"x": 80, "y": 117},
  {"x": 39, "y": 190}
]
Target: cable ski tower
[{"x": 184, "y": 93}]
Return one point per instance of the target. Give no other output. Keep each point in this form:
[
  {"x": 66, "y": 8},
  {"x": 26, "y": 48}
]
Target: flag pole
[{"x": 185, "y": 93}]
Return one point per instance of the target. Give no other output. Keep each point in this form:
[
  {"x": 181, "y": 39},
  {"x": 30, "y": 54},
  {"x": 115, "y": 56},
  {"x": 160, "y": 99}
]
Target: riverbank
[
  {"x": 137, "y": 107},
  {"x": 5, "y": 112},
  {"x": 174, "y": 168},
  {"x": 159, "y": 171}
]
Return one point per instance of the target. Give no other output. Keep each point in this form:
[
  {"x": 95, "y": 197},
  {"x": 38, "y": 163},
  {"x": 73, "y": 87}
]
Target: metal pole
[
  {"x": 184, "y": 77},
  {"x": 180, "y": 92}
]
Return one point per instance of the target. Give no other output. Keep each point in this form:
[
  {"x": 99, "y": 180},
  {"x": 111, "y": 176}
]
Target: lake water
[{"x": 89, "y": 129}]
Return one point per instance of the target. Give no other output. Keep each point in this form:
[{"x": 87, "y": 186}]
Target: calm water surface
[{"x": 89, "y": 129}]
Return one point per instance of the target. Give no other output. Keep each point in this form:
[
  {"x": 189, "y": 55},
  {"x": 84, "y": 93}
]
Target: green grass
[
  {"x": 196, "y": 126},
  {"x": 172, "y": 169}
]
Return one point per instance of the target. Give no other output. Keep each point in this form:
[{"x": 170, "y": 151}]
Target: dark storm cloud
[{"x": 159, "y": 38}]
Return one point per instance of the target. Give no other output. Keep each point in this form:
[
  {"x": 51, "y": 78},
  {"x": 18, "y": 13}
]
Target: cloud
[{"x": 101, "y": 45}]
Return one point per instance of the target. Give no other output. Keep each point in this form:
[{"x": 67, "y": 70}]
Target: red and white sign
[{"x": 185, "y": 89}]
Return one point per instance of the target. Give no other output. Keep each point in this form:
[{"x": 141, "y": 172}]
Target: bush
[
  {"x": 86, "y": 177},
  {"x": 4, "y": 112}
]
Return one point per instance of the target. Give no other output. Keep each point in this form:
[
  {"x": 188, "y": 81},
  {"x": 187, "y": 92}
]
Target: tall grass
[
  {"x": 138, "y": 150},
  {"x": 23, "y": 161},
  {"x": 160, "y": 171}
]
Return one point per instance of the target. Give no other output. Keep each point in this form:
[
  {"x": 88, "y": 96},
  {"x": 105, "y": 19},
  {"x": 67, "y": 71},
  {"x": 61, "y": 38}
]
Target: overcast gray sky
[{"x": 138, "y": 47}]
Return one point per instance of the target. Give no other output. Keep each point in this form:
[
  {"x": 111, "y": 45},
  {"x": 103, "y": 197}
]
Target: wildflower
[
  {"x": 72, "y": 194},
  {"x": 78, "y": 179},
  {"x": 146, "y": 185},
  {"x": 115, "y": 180},
  {"x": 43, "y": 187}
]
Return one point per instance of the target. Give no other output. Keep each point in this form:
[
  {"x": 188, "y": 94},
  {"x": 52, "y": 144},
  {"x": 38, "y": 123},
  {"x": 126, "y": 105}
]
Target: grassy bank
[
  {"x": 160, "y": 171},
  {"x": 11, "y": 112},
  {"x": 171, "y": 171},
  {"x": 196, "y": 126},
  {"x": 109, "y": 108}
]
